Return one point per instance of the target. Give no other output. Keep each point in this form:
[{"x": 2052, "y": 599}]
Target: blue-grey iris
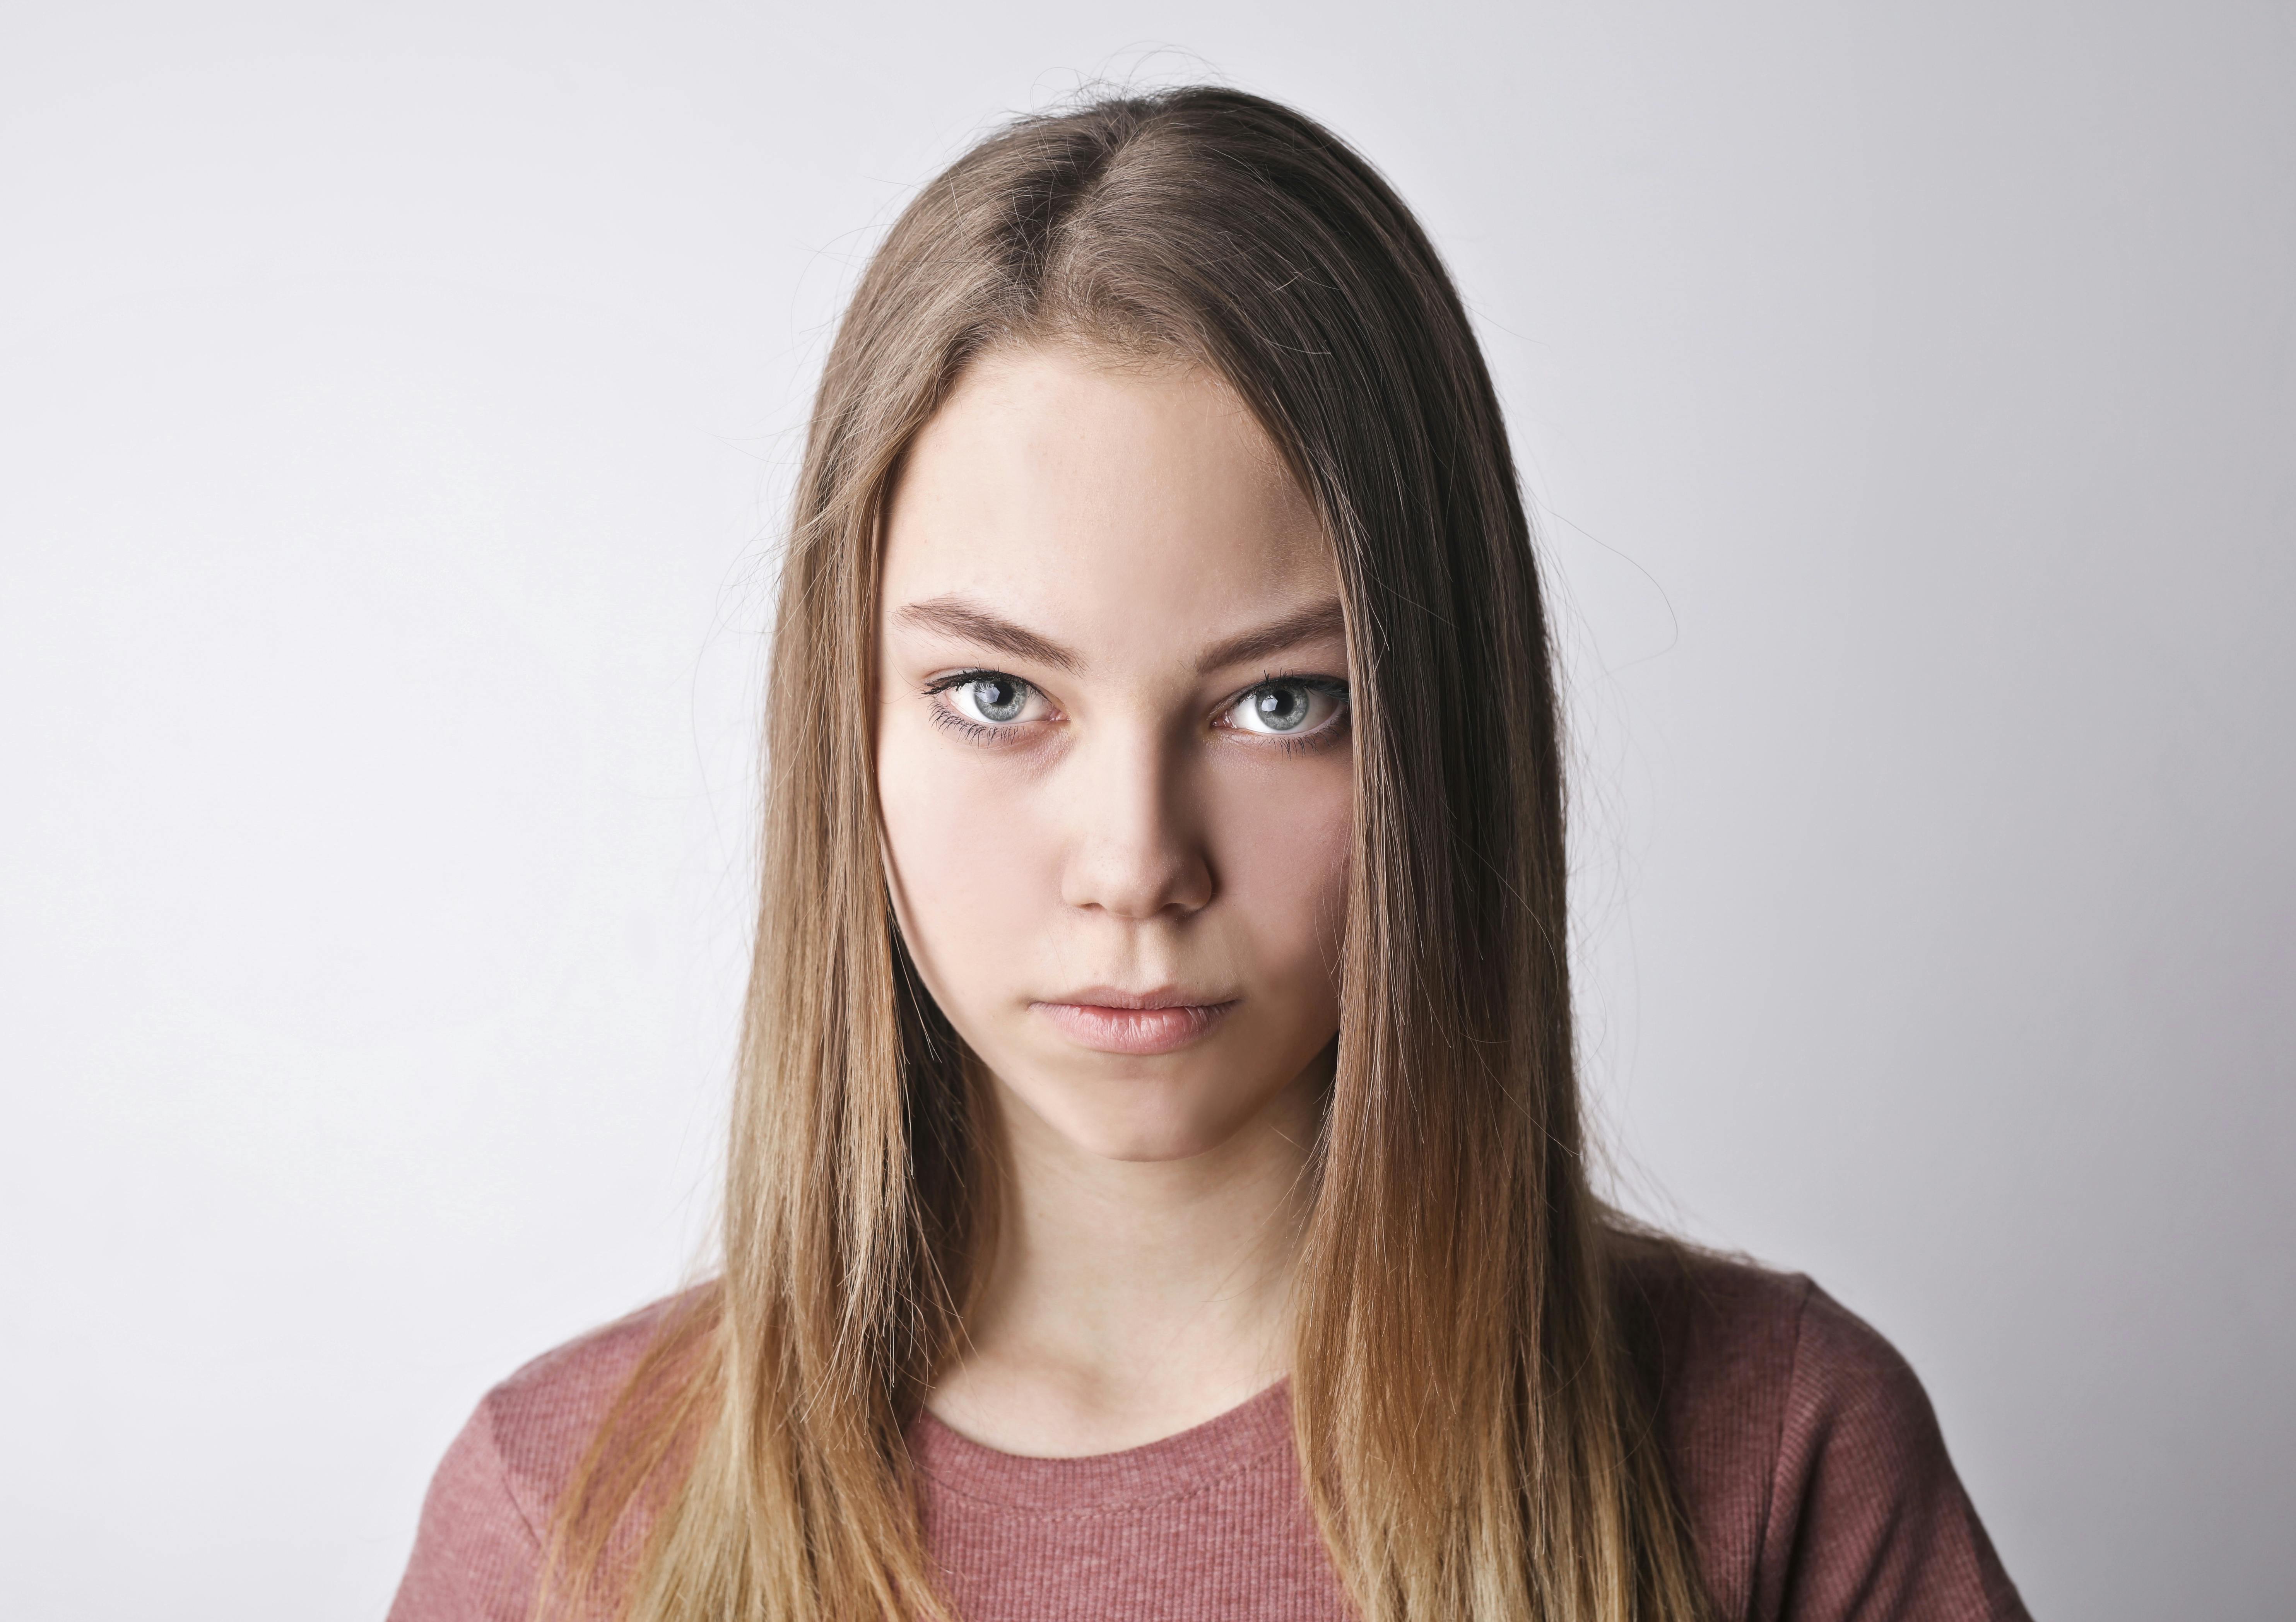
[
  {"x": 999, "y": 698},
  {"x": 1280, "y": 709}
]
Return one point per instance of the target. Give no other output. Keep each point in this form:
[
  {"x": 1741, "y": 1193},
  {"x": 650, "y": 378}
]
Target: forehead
[{"x": 1116, "y": 503}]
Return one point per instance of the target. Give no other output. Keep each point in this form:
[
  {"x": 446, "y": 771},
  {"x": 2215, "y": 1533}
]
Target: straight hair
[{"x": 1472, "y": 1431}]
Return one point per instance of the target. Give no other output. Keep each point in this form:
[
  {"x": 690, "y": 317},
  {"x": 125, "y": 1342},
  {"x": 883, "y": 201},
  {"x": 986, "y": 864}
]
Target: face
[{"x": 1113, "y": 756}]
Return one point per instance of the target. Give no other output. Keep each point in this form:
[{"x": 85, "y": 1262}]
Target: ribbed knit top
[
  {"x": 1805, "y": 1454},
  {"x": 1109, "y": 1535}
]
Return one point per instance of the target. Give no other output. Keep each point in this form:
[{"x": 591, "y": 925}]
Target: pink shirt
[{"x": 1815, "y": 1482}]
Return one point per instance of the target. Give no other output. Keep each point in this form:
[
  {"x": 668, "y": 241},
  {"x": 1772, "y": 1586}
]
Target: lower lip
[{"x": 1134, "y": 1030}]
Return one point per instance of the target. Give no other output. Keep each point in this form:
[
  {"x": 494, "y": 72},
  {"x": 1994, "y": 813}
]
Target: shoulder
[
  {"x": 1727, "y": 1343},
  {"x": 1805, "y": 1452},
  {"x": 542, "y": 1418},
  {"x": 478, "y": 1548}
]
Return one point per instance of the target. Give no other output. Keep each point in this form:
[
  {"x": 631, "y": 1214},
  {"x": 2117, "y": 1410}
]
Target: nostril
[{"x": 1139, "y": 892}]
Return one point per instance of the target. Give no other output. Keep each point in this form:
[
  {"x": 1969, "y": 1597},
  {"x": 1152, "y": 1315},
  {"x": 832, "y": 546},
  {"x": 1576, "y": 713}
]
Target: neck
[{"x": 1126, "y": 1301}]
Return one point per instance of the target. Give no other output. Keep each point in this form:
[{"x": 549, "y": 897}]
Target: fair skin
[{"x": 1115, "y": 773}]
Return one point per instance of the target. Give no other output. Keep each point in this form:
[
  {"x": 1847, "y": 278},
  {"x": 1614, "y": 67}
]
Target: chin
[
  {"x": 1172, "y": 1126},
  {"x": 1147, "y": 1147}
]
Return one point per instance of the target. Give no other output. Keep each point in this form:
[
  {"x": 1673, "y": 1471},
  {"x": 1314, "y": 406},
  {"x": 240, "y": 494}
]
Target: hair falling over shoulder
[{"x": 1467, "y": 1419}]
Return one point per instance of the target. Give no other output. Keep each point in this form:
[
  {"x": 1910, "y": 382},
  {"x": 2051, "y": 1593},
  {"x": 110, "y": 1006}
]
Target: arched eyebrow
[
  {"x": 1315, "y": 623},
  {"x": 968, "y": 621}
]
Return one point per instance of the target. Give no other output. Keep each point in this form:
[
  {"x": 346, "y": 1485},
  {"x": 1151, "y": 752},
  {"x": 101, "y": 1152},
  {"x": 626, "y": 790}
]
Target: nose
[{"x": 1135, "y": 847}]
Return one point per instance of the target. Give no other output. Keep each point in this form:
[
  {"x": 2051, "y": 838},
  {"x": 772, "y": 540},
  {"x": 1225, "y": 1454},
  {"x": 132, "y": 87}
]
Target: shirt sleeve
[
  {"x": 1867, "y": 1521},
  {"x": 476, "y": 1551}
]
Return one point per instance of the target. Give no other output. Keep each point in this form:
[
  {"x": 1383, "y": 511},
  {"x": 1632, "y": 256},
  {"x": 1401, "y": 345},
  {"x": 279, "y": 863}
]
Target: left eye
[
  {"x": 995, "y": 700},
  {"x": 1287, "y": 709}
]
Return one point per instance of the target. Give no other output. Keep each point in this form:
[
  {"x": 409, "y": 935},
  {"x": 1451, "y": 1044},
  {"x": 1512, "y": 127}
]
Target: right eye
[{"x": 990, "y": 697}]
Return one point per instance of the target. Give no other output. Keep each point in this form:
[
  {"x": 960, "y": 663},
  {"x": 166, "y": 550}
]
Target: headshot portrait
[{"x": 1159, "y": 813}]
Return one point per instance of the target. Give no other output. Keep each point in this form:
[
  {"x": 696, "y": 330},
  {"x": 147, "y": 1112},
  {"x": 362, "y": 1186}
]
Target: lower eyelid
[
  {"x": 944, "y": 713},
  {"x": 1337, "y": 693},
  {"x": 1336, "y": 726}
]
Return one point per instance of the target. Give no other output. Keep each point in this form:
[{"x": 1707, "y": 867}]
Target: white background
[{"x": 396, "y": 407}]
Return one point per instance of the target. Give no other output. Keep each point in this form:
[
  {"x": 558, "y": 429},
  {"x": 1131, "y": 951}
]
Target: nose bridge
[{"x": 1135, "y": 850}]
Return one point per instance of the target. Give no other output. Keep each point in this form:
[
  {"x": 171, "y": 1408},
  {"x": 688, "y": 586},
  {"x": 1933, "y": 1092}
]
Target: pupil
[{"x": 1282, "y": 708}]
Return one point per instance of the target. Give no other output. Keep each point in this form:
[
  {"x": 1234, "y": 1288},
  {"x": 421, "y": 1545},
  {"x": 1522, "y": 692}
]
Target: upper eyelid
[
  {"x": 936, "y": 685},
  {"x": 974, "y": 672},
  {"x": 957, "y": 678},
  {"x": 1328, "y": 683}
]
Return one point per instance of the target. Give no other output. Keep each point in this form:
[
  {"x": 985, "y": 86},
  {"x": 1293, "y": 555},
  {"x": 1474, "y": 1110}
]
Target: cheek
[
  {"x": 961, "y": 862},
  {"x": 1284, "y": 855}
]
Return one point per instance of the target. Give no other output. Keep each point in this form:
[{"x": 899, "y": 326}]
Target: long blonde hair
[{"x": 1472, "y": 1436}]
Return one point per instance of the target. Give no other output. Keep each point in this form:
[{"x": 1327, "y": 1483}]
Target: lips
[{"x": 1108, "y": 1021}]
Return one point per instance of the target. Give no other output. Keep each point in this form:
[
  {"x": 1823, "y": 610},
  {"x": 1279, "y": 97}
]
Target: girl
[{"x": 1157, "y": 1184}]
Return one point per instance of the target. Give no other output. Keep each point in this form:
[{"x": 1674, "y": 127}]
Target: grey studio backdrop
[{"x": 396, "y": 408}]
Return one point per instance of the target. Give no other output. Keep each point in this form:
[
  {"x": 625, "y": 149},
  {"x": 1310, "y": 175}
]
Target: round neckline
[{"x": 1170, "y": 1467}]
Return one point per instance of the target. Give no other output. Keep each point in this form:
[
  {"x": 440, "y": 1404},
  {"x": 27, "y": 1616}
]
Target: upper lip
[{"x": 1162, "y": 996}]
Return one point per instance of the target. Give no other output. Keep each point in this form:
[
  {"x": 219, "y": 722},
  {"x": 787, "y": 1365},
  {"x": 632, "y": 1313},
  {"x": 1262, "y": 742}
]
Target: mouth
[{"x": 1108, "y": 1021}]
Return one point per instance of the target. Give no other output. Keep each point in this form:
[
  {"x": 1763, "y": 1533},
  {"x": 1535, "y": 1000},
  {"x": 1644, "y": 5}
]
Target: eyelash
[
  {"x": 963, "y": 726},
  {"x": 1323, "y": 736},
  {"x": 992, "y": 736}
]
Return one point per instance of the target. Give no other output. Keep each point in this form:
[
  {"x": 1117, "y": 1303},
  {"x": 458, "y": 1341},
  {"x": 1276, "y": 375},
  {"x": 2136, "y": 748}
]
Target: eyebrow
[
  {"x": 958, "y": 617},
  {"x": 969, "y": 622},
  {"x": 1313, "y": 623}
]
